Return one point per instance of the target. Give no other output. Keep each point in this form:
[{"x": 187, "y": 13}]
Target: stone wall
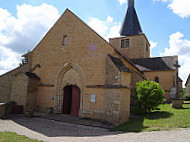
[
  {"x": 166, "y": 80},
  {"x": 6, "y": 81},
  {"x": 137, "y": 46},
  {"x": 112, "y": 105},
  {"x": 188, "y": 88},
  {"x": 19, "y": 89},
  {"x": 85, "y": 48},
  {"x": 113, "y": 75}
]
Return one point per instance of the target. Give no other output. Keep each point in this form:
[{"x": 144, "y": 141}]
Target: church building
[{"x": 76, "y": 72}]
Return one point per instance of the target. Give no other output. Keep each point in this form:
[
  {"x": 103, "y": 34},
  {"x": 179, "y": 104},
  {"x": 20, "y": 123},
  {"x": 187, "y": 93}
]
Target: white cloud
[
  {"x": 106, "y": 28},
  {"x": 122, "y": 2},
  {"x": 21, "y": 33},
  {"x": 114, "y": 31},
  {"x": 181, "y": 47},
  {"x": 152, "y": 45},
  {"x": 98, "y": 25},
  {"x": 109, "y": 19},
  {"x": 8, "y": 59},
  {"x": 179, "y": 7}
]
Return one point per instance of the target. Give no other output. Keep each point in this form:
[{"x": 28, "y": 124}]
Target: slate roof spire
[{"x": 131, "y": 24}]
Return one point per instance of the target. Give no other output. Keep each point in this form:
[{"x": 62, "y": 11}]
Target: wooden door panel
[{"x": 75, "y": 106}]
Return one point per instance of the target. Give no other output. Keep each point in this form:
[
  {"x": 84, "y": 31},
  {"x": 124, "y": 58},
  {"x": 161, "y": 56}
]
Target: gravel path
[{"x": 55, "y": 131}]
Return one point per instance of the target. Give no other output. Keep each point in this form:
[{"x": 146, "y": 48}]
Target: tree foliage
[{"x": 149, "y": 96}]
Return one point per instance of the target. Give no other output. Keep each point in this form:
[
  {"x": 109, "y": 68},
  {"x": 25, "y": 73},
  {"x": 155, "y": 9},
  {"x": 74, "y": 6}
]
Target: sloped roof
[
  {"x": 155, "y": 64},
  {"x": 131, "y": 25},
  {"x": 188, "y": 79},
  {"x": 119, "y": 64}
]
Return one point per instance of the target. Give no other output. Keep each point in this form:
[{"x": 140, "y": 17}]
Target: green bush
[
  {"x": 187, "y": 97},
  {"x": 149, "y": 96}
]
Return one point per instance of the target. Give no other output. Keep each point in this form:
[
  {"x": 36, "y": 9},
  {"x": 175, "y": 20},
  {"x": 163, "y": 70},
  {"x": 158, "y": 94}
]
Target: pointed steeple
[{"x": 131, "y": 24}]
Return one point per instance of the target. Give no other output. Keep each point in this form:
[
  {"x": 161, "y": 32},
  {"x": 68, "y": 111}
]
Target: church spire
[
  {"x": 131, "y": 24},
  {"x": 131, "y": 3}
]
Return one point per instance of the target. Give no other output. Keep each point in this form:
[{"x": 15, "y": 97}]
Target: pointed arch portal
[{"x": 70, "y": 90}]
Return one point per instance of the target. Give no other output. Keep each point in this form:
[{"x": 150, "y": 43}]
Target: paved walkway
[{"x": 56, "y": 131}]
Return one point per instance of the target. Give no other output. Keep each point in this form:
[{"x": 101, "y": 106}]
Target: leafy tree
[
  {"x": 149, "y": 96},
  {"x": 23, "y": 62}
]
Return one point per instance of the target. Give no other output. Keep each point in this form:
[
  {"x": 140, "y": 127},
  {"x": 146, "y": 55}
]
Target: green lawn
[
  {"x": 164, "y": 119},
  {"x": 13, "y": 137}
]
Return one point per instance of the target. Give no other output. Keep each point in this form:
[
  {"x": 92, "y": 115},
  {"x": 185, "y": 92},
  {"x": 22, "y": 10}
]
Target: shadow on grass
[
  {"x": 136, "y": 125},
  {"x": 158, "y": 115}
]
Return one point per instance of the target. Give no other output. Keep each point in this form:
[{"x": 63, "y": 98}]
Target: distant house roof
[
  {"x": 156, "y": 64},
  {"x": 188, "y": 79},
  {"x": 131, "y": 25},
  {"x": 32, "y": 75},
  {"x": 119, "y": 64}
]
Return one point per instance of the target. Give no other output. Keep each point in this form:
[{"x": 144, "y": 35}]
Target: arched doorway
[{"x": 71, "y": 100}]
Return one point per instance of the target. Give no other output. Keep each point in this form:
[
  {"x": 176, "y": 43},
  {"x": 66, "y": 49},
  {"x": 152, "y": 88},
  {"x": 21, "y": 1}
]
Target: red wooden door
[{"x": 75, "y": 106}]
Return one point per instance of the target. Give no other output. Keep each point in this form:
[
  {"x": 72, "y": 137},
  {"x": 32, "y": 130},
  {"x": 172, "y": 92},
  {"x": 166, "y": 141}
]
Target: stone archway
[{"x": 70, "y": 74}]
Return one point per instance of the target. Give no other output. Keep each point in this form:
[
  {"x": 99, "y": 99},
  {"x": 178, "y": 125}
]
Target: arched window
[{"x": 156, "y": 79}]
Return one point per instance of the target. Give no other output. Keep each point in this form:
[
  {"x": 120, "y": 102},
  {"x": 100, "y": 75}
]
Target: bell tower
[{"x": 132, "y": 41}]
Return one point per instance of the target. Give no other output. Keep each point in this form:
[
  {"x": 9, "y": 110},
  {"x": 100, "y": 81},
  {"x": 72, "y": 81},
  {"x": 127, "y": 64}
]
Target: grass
[
  {"x": 165, "y": 119},
  {"x": 13, "y": 137}
]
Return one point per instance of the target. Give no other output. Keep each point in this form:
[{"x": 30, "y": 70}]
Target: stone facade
[
  {"x": 139, "y": 46},
  {"x": 86, "y": 61},
  {"x": 6, "y": 82}
]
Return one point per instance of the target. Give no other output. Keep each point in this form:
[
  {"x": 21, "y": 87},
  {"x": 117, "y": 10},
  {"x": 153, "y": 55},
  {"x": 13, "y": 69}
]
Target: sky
[{"x": 166, "y": 23}]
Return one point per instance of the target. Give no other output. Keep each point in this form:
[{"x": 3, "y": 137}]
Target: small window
[
  {"x": 65, "y": 40},
  {"x": 122, "y": 43},
  {"x": 157, "y": 79},
  {"x": 125, "y": 43}
]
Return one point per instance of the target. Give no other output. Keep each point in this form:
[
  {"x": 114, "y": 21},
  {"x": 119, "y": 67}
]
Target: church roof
[
  {"x": 119, "y": 64},
  {"x": 188, "y": 79},
  {"x": 155, "y": 64},
  {"x": 131, "y": 25}
]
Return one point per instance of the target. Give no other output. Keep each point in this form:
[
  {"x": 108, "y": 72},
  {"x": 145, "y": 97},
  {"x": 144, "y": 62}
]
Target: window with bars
[{"x": 125, "y": 43}]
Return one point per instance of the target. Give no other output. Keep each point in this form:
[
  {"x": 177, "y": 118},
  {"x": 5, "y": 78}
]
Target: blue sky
[{"x": 165, "y": 22}]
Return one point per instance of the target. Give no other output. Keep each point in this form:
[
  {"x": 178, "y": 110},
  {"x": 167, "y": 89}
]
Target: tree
[
  {"x": 149, "y": 96},
  {"x": 23, "y": 62}
]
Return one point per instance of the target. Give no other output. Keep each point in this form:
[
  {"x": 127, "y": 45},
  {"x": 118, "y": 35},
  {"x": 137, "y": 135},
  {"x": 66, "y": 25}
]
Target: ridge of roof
[{"x": 156, "y": 63}]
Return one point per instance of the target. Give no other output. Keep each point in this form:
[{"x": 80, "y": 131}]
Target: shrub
[
  {"x": 187, "y": 97},
  {"x": 149, "y": 96}
]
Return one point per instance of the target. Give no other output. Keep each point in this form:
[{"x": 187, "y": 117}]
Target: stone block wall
[
  {"x": 6, "y": 81},
  {"x": 19, "y": 89},
  {"x": 139, "y": 46}
]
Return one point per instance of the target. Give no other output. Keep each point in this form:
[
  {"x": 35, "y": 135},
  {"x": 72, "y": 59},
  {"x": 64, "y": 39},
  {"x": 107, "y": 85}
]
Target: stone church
[{"x": 75, "y": 71}]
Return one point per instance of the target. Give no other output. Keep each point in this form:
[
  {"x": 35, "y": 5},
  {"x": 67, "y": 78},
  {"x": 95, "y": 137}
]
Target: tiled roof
[
  {"x": 155, "y": 64},
  {"x": 32, "y": 75},
  {"x": 119, "y": 64},
  {"x": 131, "y": 25},
  {"x": 188, "y": 79}
]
